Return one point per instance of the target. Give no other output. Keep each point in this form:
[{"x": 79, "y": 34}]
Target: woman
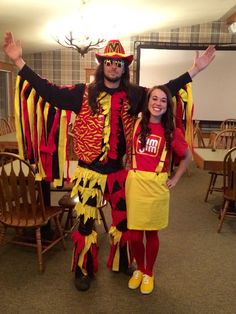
[{"x": 147, "y": 186}]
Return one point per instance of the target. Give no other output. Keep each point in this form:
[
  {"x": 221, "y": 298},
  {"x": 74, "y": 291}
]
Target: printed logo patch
[{"x": 152, "y": 146}]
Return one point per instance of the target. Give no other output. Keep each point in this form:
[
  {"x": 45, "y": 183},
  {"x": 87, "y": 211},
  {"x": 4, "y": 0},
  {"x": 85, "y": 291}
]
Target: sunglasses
[{"x": 118, "y": 63}]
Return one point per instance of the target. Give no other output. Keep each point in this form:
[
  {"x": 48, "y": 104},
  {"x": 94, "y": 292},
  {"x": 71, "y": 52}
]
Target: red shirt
[{"x": 148, "y": 158}]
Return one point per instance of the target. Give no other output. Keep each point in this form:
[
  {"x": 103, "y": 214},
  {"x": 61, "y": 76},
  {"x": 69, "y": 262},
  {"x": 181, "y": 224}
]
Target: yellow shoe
[
  {"x": 135, "y": 280},
  {"x": 147, "y": 284}
]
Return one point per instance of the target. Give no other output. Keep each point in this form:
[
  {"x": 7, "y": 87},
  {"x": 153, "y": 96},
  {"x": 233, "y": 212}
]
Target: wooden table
[
  {"x": 207, "y": 159},
  {"x": 8, "y": 141}
]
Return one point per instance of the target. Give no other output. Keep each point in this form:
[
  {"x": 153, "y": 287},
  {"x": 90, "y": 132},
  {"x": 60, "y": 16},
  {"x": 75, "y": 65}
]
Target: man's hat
[{"x": 114, "y": 50}]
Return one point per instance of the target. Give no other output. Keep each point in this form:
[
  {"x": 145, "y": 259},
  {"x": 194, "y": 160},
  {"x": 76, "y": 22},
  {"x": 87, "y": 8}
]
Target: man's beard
[{"x": 112, "y": 79}]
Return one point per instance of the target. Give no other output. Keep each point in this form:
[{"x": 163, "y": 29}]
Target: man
[{"x": 105, "y": 112}]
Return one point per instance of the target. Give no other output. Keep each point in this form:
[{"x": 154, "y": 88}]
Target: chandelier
[
  {"x": 82, "y": 46},
  {"x": 81, "y": 42},
  {"x": 231, "y": 22}
]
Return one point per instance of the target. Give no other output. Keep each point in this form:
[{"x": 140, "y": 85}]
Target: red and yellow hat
[{"x": 114, "y": 50}]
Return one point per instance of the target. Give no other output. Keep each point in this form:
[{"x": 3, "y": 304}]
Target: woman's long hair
[
  {"x": 167, "y": 119},
  {"x": 97, "y": 86}
]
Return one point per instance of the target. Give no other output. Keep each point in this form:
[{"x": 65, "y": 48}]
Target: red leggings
[{"x": 141, "y": 252}]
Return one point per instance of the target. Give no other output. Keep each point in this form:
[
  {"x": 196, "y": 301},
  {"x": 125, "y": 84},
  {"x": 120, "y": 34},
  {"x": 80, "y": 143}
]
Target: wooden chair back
[
  {"x": 11, "y": 122},
  {"x": 228, "y": 124},
  {"x": 21, "y": 196},
  {"x": 4, "y": 127},
  {"x": 225, "y": 139},
  {"x": 197, "y": 135}
]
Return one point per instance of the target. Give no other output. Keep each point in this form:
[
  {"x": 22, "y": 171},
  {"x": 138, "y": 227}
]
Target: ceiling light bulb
[{"x": 232, "y": 28}]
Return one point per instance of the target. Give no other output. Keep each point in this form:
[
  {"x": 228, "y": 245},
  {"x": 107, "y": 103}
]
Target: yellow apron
[{"x": 147, "y": 196}]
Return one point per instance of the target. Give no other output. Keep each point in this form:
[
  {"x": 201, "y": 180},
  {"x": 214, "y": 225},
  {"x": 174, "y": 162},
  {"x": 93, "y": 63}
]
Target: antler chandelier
[
  {"x": 82, "y": 46},
  {"x": 82, "y": 43}
]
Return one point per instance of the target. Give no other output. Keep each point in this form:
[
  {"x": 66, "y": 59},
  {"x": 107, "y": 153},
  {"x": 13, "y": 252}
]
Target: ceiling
[{"x": 35, "y": 22}]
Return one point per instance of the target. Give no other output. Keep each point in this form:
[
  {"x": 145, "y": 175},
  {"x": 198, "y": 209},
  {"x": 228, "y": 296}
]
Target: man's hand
[
  {"x": 13, "y": 49},
  {"x": 201, "y": 61}
]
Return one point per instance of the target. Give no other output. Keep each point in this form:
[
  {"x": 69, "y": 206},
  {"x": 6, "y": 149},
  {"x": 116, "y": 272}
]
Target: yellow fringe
[
  {"x": 189, "y": 114},
  {"x": 90, "y": 178},
  {"x": 105, "y": 103},
  {"x": 41, "y": 174},
  {"x": 89, "y": 240},
  {"x": 187, "y": 98},
  {"x": 116, "y": 236}
]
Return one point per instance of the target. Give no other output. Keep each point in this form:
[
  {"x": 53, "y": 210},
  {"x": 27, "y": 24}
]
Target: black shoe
[
  {"x": 124, "y": 266},
  {"x": 128, "y": 270},
  {"x": 82, "y": 282}
]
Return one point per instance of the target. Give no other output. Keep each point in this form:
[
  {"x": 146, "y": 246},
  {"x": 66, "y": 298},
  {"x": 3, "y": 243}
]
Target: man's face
[{"x": 113, "y": 69}]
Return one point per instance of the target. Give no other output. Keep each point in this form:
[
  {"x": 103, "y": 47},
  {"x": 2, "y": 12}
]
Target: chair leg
[
  {"x": 60, "y": 231},
  {"x": 73, "y": 220},
  {"x": 209, "y": 190},
  {"x": 222, "y": 215},
  {"x": 3, "y": 230},
  {"x": 69, "y": 219},
  {"x": 39, "y": 249},
  {"x": 213, "y": 182}
]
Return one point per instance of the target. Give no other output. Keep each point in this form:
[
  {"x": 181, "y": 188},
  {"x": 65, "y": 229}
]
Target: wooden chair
[
  {"x": 197, "y": 135},
  {"x": 11, "y": 122},
  {"x": 68, "y": 205},
  {"x": 22, "y": 206},
  {"x": 4, "y": 127},
  {"x": 72, "y": 220},
  {"x": 225, "y": 139},
  {"x": 229, "y": 188},
  {"x": 228, "y": 124}
]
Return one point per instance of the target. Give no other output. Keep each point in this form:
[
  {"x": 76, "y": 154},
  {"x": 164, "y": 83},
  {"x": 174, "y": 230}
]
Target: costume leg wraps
[
  {"x": 89, "y": 189},
  {"x": 119, "y": 257}
]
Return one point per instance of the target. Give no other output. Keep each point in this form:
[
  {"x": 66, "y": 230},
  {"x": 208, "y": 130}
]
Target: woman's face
[{"x": 157, "y": 105}]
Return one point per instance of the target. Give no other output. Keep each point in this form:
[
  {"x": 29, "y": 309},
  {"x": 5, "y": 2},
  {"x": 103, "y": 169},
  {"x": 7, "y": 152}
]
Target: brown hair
[{"x": 97, "y": 86}]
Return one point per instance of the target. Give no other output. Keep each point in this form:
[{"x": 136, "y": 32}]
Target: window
[
  {"x": 89, "y": 73},
  {"x": 6, "y": 89}
]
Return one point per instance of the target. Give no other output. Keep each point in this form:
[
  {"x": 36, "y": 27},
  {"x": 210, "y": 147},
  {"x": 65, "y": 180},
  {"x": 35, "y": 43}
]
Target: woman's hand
[{"x": 171, "y": 182}]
